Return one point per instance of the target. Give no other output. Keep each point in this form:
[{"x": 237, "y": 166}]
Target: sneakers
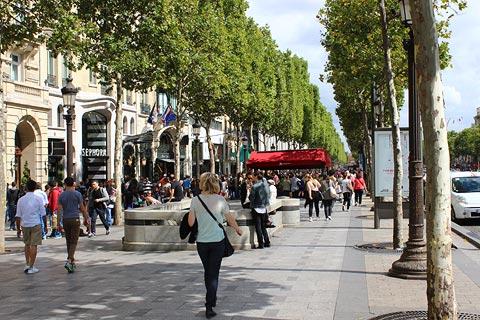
[
  {"x": 343, "y": 207},
  {"x": 26, "y": 269},
  {"x": 32, "y": 270},
  {"x": 209, "y": 313},
  {"x": 70, "y": 267},
  {"x": 329, "y": 218},
  {"x": 108, "y": 232},
  {"x": 90, "y": 235},
  {"x": 58, "y": 236},
  {"x": 356, "y": 204},
  {"x": 310, "y": 219}
]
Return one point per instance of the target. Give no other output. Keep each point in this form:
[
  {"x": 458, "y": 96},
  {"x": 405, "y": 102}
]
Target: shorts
[{"x": 32, "y": 236}]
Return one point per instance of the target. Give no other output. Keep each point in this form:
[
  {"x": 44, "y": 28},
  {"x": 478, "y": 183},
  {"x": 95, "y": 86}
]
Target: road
[{"x": 471, "y": 224}]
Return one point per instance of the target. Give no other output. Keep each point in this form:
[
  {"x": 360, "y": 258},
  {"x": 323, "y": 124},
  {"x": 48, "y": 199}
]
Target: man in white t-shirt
[
  {"x": 30, "y": 210},
  {"x": 43, "y": 196}
]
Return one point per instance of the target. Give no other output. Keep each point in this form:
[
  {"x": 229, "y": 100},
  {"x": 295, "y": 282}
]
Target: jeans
[
  {"x": 211, "y": 254},
  {"x": 358, "y": 196},
  {"x": 12, "y": 211},
  {"x": 260, "y": 228},
  {"x": 347, "y": 196},
  {"x": 93, "y": 213},
  {"x": 109, "y": 216},
  {"x": 314, "y": 202},
  {"x": 327, "y": 207}
]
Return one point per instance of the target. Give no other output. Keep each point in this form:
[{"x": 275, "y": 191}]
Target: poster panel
[{"x": 384, "y": 163}]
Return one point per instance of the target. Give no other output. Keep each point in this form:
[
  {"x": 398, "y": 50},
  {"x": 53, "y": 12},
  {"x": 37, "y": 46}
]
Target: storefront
[
  {"x": 56, "y": 159},
  {"x": 94, "y": 146}
]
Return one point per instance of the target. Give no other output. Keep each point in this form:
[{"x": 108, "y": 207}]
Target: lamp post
[
  {"x": 196, "y": 132},
  {"x": 376, "y": 110},
  {"x": 413, "y": 262},
  {"x": 69, "y": 93},
  {"x": 245, "y": 146}
]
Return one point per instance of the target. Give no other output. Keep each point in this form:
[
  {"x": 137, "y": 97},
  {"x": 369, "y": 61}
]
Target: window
[
  {"x": 125, "y": 125},
  {"x": 162, "y": 101},
  {"x": 132, "y": 126},
  {"x": 15, "y": 73},
  {"x": 92, "y": 77},
  {"x": 65, "y": 72},
  {"x": 60, "y": 116},
  {"x": 51, "y": 70},
  {"x": 128, "y": 97},
  {"x": 145, "y": 98}
]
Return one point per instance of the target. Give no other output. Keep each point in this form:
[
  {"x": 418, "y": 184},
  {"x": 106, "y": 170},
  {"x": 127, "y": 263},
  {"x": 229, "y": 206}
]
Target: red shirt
[
  {"x": 53, "y": 198},
  {"x": 358, "y": 184}
]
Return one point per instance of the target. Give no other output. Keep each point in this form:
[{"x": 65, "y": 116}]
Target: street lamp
[
  {"x": 413, "y": 262},
  {"x": 245, "y": 146},
  {"x": 69, "y": 94},
  {"x": 196, "y": 132}
]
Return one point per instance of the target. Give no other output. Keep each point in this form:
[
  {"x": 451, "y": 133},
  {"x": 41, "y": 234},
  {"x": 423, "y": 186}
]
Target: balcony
[
  {"x": 51, "y": 81},
  {"x": 145, "y": 108}
]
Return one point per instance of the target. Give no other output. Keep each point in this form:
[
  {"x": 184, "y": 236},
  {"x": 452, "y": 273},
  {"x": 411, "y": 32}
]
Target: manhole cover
[
  {"x": 420, "y": 315},
  {"x": 379, "y": 247}
]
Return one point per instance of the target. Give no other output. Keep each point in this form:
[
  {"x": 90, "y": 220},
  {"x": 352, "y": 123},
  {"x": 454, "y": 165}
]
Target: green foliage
[
  {"x": 465, "y": 143},
  {"x": 25, "y": 174}
]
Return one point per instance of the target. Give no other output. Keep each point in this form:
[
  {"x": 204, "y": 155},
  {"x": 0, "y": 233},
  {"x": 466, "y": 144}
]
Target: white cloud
[{"x": 452, "y": 96}]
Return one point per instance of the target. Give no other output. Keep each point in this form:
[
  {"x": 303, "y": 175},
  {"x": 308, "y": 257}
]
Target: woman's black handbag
[{"x": 228, "y": 246}]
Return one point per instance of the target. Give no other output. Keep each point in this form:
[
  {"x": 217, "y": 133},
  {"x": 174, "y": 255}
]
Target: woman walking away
[
  {"x": 328, "y": 191},
  {"x": 358, "y": 187},
  {"x": 312, "y": 194},
  {"x": 347, "y": 189},
  {"x": 210, "y": 238}
]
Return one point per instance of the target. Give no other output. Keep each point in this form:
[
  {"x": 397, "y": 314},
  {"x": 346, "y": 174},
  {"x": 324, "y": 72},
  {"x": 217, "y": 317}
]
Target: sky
[{"x": 294, "y": 26}]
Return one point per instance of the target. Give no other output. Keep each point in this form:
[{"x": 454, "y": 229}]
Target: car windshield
[{"x": 466, "y": 184}]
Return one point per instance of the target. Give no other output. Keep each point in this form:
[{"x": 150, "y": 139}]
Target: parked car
[{"x": 465, "y": 195}]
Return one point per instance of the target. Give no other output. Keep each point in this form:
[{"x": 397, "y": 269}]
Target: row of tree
[
  {"x": 465, "y": 143},
  {"x": 364, "y": 40},
  {"x": 207, "y": 53}
]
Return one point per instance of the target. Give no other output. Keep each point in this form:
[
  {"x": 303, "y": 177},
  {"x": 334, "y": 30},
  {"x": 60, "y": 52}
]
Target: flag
[
  {"x": 152, "y": 118},
  {"x": 168, "y": 116}
]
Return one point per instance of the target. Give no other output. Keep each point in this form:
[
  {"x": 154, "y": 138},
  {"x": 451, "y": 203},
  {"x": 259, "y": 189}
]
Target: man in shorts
[
  {"x": 70, "y": 202},
  {"x": 30, "y": 211}
]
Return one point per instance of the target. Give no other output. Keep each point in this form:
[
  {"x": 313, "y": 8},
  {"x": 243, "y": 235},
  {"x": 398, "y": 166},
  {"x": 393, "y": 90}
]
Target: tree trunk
[
  {"x": 211, "y": 150},
  {"x": 3, "y": 162},
  {"x": 252, "y": 143},
  {"x": 176, "y": 147},
  {"x": 440, "y": 288},
  {"x": 397, "y": 147},
  {"x": 238, "y": 169},
  {"x": 368, "y": 147},
  {"x": 117, "y": 161}
]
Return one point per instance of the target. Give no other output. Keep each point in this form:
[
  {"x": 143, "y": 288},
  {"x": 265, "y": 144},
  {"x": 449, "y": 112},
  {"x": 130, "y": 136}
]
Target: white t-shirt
[
  {"x": 30, "y": 209},
  {"x": 345, "y": 183},
  {"x": 42, "y": 195}
]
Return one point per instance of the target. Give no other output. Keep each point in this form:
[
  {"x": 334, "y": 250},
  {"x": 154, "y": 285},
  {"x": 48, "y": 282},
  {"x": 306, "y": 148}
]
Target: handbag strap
[{"x": 210, "y": 213}]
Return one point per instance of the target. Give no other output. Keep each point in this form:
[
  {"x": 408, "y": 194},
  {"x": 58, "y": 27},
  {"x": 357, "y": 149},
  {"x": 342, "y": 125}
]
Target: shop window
[
  {"x": 125, "y": 125},
  {"x": 132, "y": 126},
  {"x": 15, "y": 68}
]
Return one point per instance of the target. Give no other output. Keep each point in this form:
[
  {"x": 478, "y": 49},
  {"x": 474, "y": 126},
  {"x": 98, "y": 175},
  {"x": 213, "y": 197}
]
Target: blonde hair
[{"x": 209, "y": 183}]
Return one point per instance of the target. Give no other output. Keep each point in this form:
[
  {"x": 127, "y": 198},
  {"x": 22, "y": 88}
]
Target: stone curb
[{"x": 468, "y": 235}]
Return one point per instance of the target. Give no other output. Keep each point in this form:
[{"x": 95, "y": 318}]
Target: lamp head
[
  {"x": 69, "y": 94},
  {"x": 405, "y": 12}
]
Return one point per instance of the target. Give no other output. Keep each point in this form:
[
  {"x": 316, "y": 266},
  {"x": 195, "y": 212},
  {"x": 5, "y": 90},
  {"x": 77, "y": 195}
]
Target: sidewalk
[{"x": 311, "y": 272}]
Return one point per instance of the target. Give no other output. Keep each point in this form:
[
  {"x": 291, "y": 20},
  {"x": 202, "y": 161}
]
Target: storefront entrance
[{"x": 94, "y": 146}]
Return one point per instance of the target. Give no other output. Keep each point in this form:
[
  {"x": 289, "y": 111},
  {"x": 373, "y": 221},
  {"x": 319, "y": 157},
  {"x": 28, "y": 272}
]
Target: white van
[{"x": 465, "y": 194}]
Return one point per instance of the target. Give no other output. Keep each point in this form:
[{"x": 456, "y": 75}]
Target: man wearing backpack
[
  {"x": 12, "y": 199},
  {"x": 97, "y": 205}
]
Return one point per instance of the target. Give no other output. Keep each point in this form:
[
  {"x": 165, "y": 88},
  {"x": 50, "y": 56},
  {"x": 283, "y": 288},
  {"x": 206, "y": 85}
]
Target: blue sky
[{"x": 294, "y": 26}]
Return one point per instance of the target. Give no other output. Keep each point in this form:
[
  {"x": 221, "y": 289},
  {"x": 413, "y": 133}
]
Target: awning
[
  {"x": 146, "y": 137},
  {"x": 290, "y": 159}
]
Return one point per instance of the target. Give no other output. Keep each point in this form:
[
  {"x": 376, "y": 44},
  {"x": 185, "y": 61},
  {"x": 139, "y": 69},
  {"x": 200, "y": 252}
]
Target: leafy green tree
[
  {"x": 105, "y": 37},
  {"x": 25, "y": 174}
]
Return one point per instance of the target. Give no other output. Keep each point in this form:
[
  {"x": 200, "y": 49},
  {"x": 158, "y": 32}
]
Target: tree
[
  {"x": 440, "y": 288},
  {"x": 105, "y": 37},
  {"x": 25, "y": 174},
  {"x": 397, "y": 147}
]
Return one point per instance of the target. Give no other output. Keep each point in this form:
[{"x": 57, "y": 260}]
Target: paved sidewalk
[{"x": 311, "y": 272}]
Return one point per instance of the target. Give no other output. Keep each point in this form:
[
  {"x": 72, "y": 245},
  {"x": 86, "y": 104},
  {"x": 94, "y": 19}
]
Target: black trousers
[
  {"x": 260, "y": 223},
  {"x": 211, "y": 254},
  {"x": 314, "y": 202},
  {"x": 358, "y": 196},
  {"x": 94, "y": 212},
  {"x": 347, "y": 196},
  {"x": 327, "y": 207}
]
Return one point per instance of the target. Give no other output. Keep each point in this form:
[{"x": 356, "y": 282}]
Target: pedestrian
[
  {"x": 97, "y": 204},
  {"x": 70, "y": 202},
  {"x": 294, "y": 185},
  {"x": 259, "y": 197},
  {"x": 347, "y": 189},
  {"x": 43, "y": 196},
  {"x": 359, "y": 187},
  {"x": 187, "y": 186},
  {"x": 312, "y": 195},
  {"x": 12, "y": 200},
  {"x": 112, "y": 195},
  {"x": 328, "y": 187},
  {"x": 210, "y": 237},
  {"x": 52, "y": 212},
  {"x": 176, "y": 190},
  {"x": 30, "y": 209}
]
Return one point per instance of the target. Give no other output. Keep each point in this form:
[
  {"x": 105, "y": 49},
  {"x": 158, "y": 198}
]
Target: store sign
[
  {"x": 90, "y": 152},
  {"x": 384, "y": 163}
]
